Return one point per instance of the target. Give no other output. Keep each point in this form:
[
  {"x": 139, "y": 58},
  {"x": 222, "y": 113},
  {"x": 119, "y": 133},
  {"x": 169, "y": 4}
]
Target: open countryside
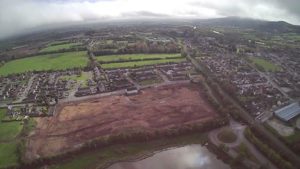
[
  {"x": 141, "y": 63},
  {"x": 56, "y": 47},
  {"x": 8, "y": 143},
  {"x": 265, "y": 65},
  {"x": 113, "y": 97},
  {"x": 57, "y": 61},
  {"x": 128, "y": 57}
]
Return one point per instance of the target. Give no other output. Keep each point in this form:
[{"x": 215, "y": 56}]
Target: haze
[{"x": 17, "y": 16}]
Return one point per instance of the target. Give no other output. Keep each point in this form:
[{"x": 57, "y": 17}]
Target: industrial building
[{"x": 288, "y": 112}]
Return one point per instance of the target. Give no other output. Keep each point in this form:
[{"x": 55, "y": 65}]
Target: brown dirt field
[{"x": 154, "y": 108}]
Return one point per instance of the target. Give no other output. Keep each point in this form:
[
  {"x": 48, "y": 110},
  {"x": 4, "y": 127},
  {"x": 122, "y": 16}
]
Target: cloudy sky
[{"x": 19, "y": 15}]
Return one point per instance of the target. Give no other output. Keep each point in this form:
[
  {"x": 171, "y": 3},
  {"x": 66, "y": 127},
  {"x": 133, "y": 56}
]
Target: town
[{"x": 44, "y": 82}]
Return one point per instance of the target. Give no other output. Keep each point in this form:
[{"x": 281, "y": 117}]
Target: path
[{"x": 238, "y": 129}]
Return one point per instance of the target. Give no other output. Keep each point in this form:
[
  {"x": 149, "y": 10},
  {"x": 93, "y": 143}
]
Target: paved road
[{"x": 281, "y": 147}]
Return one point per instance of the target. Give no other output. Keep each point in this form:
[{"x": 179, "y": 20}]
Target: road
[
  {"x": 119, "y": 92},
  {"x": 238, "y": 129},
  {"x": 270, "y": 81},
  {"x": 25, "y": 93},
  {"x": 281, "y": 147}
]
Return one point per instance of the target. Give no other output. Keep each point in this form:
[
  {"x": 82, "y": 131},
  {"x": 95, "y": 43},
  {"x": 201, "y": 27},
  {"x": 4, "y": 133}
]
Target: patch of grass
[
  {"x": 243, "y": 150},
  {"x": 265, "y": 65},
  {"x": 127, "y": 151},
  {"x": 9, "y": 130},
  {"x": 83, "y": 77},
  {"x": 8, "y": 154},
  {"x": 140, "y": 63},
  {"x": 246, "y": 98},
  {"x": 294, "y": 138},
  {"x": 59, "y": 61},
  {"x": 54, "y": 47},
  {"x": 135, "y": 56},
  {"x": 226, "y": 135},
  {"x": 2, "y": 114},
  {"x": 150, "y": 81}
]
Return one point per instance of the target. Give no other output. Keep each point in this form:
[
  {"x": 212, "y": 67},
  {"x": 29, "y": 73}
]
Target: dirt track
[{"x": 155, "y": 108}]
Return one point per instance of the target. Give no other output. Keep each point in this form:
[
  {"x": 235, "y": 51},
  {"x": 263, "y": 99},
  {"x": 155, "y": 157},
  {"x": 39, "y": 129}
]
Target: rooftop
[{"x": 288, "y": 112}]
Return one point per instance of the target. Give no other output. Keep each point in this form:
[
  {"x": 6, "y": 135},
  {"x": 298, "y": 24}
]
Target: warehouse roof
[{"x": 288, "y": 112}]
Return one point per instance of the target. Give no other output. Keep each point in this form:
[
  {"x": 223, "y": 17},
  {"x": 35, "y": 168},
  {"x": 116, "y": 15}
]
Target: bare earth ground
[{"x": 154, "y": 108}]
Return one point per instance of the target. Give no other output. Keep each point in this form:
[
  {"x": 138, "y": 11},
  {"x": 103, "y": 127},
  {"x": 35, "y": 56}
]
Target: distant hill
[{"x": 247, "y": 23}]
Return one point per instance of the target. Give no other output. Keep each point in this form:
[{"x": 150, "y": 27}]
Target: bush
[{"x": 267, "y": 151}]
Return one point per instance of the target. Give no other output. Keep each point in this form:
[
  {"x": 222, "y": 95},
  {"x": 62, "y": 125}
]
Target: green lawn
[
  {"x": 150, "y": 82},
  {"x": 83, "y": 78},
  {"x": 134, "y": 56},
  {"x": 9, "y": 130},
  {"x": 2, "y": 114},
  {"x": 294, "y": 138},
  {"x": 140, "y": 63},
  {"x": 265, "y": 64},
  {"x": 58, "y": 61},
  {"x": 52, "y": 47},
  {"x": 8, "y": 155},
  {"x": 226, "y": 135},
  {"x": 8, "y": 145}
]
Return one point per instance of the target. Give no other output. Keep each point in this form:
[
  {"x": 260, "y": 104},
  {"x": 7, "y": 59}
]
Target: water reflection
[{"x": 188, "y": 157}]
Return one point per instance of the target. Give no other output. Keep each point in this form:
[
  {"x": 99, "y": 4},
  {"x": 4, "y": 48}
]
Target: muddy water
[{"x": 188, "y": 157}]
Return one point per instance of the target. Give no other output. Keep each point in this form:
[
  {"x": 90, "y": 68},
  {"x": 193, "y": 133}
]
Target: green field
[
  {"x": 265, "y": 65},
  {"x": 53, "y": 47},
  {"x": 8, "y": 155},
  {"x": 58, "y": 61},
  {"x": 83, "y": 78},
  {"x": 9, "y": 130},
  {"x": 8, "y": 145},
  {"x": 109, "y": 58},
  {"x": 294, "y": 138},
  {"x": 2, "y": 114},
  {"x": 226, "y": 135},
  {"x": 140, "y": 63}
]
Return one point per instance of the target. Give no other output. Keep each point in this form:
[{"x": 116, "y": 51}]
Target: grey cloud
[
  {"x": 144, "y": 14},
  {"x": 287, "y": 10},
  {"x": 19, "y": 15}
]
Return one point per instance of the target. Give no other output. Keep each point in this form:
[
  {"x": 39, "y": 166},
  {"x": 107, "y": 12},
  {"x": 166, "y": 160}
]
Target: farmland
[
  {"x": 54, "y": 47},
  {"x": 8, "y": 154},
  {"x": 265, "y": 65},
  {"x": 156, "y": 108},
  {"x": 8, "y": 147},
  {"x": 141, "y": 63},
  {"x": 59, "y": 61},
  {"x": 129, "y": 57},
  {"x": 9, "y": 130}
]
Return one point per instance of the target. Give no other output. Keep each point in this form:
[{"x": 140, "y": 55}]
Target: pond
[{"x": 187, "y": 157}]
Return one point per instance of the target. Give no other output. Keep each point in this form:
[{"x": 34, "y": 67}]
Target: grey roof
[{"x": 288, "y": 112}]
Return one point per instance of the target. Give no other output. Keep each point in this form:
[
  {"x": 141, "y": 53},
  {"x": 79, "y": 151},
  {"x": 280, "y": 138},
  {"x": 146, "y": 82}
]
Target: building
[
  {"x": 288, "y": 112},
  {"x": 132, "y": 91}
]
